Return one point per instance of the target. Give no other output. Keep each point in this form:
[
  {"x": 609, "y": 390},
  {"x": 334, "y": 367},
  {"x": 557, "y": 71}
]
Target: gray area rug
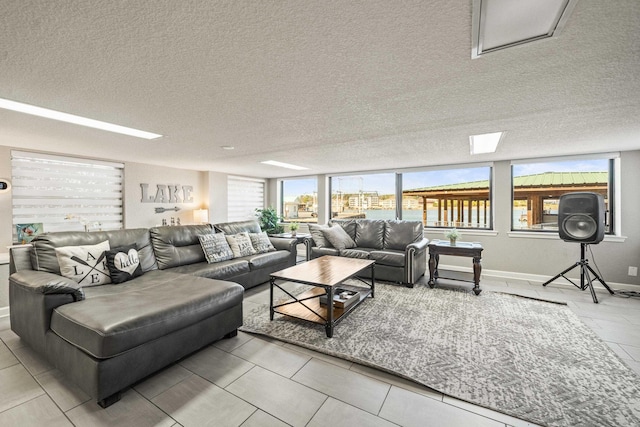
[{"x": 531, "y": 359}]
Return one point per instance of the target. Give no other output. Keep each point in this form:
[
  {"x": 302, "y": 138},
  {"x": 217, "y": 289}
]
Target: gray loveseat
[
  {"x": 398, "y": 247},
  {"x": 105, "y": 338}
]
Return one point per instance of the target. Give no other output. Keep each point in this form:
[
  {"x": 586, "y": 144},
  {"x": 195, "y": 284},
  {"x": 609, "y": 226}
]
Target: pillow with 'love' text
[{"x": 124, "y": 263}]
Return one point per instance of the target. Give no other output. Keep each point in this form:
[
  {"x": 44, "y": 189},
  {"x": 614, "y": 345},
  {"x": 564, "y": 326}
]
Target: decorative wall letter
[{"x": 169, "y": 193}]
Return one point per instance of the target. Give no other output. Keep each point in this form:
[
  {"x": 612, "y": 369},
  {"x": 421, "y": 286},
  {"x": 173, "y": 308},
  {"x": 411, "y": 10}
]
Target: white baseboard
[
  {"x": 536, "y": 277},
  {"x": 4, "y": 311}
]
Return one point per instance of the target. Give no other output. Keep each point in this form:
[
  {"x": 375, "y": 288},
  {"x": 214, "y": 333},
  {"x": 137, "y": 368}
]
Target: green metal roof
[{"x": 546, "y": 179}]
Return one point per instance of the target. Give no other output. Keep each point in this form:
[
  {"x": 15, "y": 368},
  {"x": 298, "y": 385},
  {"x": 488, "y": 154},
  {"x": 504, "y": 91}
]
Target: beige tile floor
[{"x": 251, "y": 381}]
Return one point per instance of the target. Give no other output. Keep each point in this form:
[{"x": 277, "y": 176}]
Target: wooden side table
[{"x": 444, "y": 247}]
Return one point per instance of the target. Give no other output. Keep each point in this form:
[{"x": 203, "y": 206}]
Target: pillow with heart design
[
  {"x": 85, "y": 264},
  {"x": 124, "y": 263}
]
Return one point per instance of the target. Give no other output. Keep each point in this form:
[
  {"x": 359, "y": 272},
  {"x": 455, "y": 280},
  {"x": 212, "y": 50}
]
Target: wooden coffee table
[{"x": 325, "y": 274}]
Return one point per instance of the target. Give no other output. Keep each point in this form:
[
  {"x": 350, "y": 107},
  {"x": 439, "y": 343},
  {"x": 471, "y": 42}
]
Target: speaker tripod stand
[{"x": 585, "y": 273}]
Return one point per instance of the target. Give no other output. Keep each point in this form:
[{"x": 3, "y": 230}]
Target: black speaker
[{"x": 581, "y": 217}]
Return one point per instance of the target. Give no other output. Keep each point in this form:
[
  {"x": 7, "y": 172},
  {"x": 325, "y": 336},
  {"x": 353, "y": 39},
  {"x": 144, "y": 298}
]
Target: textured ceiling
[{"x": 331, "y": 85}]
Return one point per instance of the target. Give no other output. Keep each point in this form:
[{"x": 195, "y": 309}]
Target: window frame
[
  {"x": 281, "y": 200},
  {"x": 612, "y": 214}
]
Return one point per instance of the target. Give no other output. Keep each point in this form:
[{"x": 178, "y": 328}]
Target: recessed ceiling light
[
  {"x": 227, "y": 147},
  {"x": 485, "y": 143},
  {"x": 71, "y": 118},
  {"x": 499, "y": 24},
  {"x": 284, "y": 165}
]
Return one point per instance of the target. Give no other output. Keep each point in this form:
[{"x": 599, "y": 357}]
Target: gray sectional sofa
[
  {"x": 398, "y": 247},
  {"x": 106, "y": 337}
]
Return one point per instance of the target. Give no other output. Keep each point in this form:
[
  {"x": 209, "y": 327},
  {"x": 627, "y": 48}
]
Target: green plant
[
  {"x": 452, "y": 234},
  {"x": 294, "y": 226},
  {"x": 268, "y": 218}
]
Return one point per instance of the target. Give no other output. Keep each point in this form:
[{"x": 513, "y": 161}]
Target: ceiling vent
[{"x": 499, "y": 24}]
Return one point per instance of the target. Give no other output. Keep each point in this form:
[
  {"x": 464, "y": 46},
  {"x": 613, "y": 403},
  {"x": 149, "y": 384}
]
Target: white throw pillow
[
  {"x": 86, "y": 265},
  {"x": 240, "y": 244}
]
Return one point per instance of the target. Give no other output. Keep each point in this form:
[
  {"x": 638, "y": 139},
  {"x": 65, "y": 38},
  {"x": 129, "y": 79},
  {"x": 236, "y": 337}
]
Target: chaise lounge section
[{"x": 106, "y": 337}]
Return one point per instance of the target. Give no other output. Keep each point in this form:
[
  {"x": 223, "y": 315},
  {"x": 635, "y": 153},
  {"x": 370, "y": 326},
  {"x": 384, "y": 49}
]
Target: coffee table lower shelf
[{"x": 307, "y": 306}]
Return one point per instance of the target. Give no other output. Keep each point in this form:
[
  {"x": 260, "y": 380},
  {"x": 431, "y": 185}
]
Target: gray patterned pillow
[
  {"x": 240, "y": 244},
  {"x": 316, "y": 234},
  {"x": 215, "y": 247},
  {"x": 339, "y": 238},
  {"x": 261, "y": 242}
]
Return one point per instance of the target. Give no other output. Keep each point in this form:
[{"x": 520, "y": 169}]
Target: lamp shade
[{"x": 201, "y": 216}]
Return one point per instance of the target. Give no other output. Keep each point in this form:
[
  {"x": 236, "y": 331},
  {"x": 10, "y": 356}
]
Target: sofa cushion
[
  {"x": 159, "y": 303},
  {"x": 318, "y": 237},
  {"x": 399, "y": 234},
  {"x": 86, "y": 264},
  {"x": 123, "y": 263},
  {"x": 267, "y": 259},
  {"x": 43, "y": 256},
  {"x": 362, "y": 253},
  {"x": 250, "y": 226},
  {"x": 215, "y": 247},
  {"x": 261, "y": 242},
  {"x": 175, "y": 246},
  {"x": 370, "y": 233},
  {"x": 338, "y": 238},
  {"x": 219, "y": 270},
  {"x": 389, "y": 257},
  {"x": 318, "y": 252},
  {"x": 349, "y": 225},
  {"x": 240, "y": 244}
]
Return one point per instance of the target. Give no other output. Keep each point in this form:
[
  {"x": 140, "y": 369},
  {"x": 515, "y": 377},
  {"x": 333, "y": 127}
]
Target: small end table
[{"x": 444, "y": 247}]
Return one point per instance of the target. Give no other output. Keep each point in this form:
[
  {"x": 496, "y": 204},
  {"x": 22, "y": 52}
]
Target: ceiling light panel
[
  {"x": 284, "y": 165},
  {"x": 498, "y": 24},
  {"x": 485, "y": 143},
  {"x": 78, "y": 120}
]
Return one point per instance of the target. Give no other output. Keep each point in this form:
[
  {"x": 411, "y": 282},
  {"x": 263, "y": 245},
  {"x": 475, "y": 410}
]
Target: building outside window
[
  {"x": 537, "y": 187},
  {"x": 299, "y": 200},
  {"x": 371, "y": 196},
  {"x": 458, "y": 198}
]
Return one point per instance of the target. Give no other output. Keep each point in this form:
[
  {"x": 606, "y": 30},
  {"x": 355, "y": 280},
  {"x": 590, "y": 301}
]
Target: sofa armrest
[
  {"x": 416, "y": 261},
  {"x": 41, "y": 282},
  {"x": 418, "y": 246},
  {"x": 281, "y": 243},
  {"x": 284, "y": 244}
]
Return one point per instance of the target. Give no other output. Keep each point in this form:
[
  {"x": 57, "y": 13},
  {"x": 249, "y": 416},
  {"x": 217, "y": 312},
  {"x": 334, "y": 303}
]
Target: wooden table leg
[
  {"x": 433, "y": 269},
  {"x": 477, "y": 269}
]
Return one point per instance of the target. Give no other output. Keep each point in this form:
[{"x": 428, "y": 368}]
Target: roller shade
[{"x": 244, "y": 196}]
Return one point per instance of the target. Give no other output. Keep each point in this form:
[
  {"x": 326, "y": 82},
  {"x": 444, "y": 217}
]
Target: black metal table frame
[{"x": 329, "y": 321}]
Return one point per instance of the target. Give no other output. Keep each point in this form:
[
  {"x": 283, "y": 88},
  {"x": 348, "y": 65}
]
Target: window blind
[
  {"x": 66, "y": 194},
  {"x": 244, "y": 196}
]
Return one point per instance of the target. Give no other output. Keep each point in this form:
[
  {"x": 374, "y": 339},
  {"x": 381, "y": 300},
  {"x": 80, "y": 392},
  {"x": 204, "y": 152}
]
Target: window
[
  {"x": 370, "y": 196},
  {"x": 537, "y": 187},
  {"x": 64, "y": 193},
  {"x": 300, "y": 200},
  {"x": 244, "y": 196},
  {"x": 458, "y": 198}
]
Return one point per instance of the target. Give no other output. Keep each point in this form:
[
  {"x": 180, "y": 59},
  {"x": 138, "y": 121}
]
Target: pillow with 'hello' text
[{"x": 124, "y": 263}]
